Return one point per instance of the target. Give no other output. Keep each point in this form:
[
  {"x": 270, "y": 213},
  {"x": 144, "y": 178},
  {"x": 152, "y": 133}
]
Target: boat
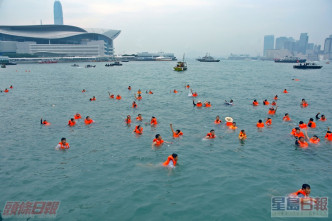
[
  {"x": 115, "y": 63},
  {"x": 307, "y": 66},
  {"x": 207, "y": 58},
  {"x": 289, "y": 60},
  {"x": 75, "y": 65},
  {"x": 48, "y": 62},
  {"x": 3, "y": 66},
  {"x": 90, "y": 66},
  {"x": 162, "y": 58},
  {"x": 181, "y": 65}
]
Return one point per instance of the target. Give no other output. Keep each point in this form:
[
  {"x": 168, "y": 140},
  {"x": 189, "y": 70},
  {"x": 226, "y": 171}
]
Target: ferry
[
  {"x": 207, "y": 58},
  {"x": 181, "y": 65},
  {"x": 307, "y": 66},
  {"x": 289, "y": 60}
]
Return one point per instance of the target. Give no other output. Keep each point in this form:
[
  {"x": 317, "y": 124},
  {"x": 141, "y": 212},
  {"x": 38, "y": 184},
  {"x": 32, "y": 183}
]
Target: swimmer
[
  {"x": 304, "y": 103},
  {"x": 198, "y": 104},
  {"x": 210, "y": 135},
  {"x": 139, "y": 117},
  {"x": 6, "y": 90},
  {"x": 83, "y": 90},
  {"x": 153, "y": 121},
  {"x": 260, "y": 124},
  {"x": 63, "y": 145},
  {"x": 302, "y": 125},
  {"x": 314, "y": 139},
  {"x": 268, "y": 122},
  {"x": 276, "y": 97},
  {"x": 233, "y": 126},
  {"x": 158, "y": 141},
  {"x": 303, "y": 194},
  {"x": 128, "y": 119},
  {"x": 322, "y": 118},
  {"x": 187, "y": 86},
  {"x": 272, "y": 111},
  {"x": 286, "y": 117},
  {"x": 194, "y": 94},
  {"x": 296, "y": 132},
  {"x": 242, "y": 135},
  {"x": 44, "y": 122},
  {"x": 295, "y": 79},
  {"x": 300, "y": 142},
  {"x": 129, "y": 87},
  {"x": 217, "y": 120},
  {"x": 274, "y": 103},
  {"x": 138, "y": 130},
  {"x": 265, "y": 102},
  {"x": 93, "y": 98},
  {"x": 230, "y": 102},
  {"x": 139, "y": 97},
  {"x": 11, "y": 87},
  {"x": 118, "y": 97},
  {"x": 255, "y": 103},
  {"x": 150, "y": 92},
  {"x": 229, "y": 121},
  {"x": 88, "y": 120},
  {"x": 134, "y": 105},
  {"x": 77, "y": 116},
  {"x": 71, "y": 122},
  {"x": 139, "y": 91},
  {"x": 175, "y": 91},
  {"x": 176, "y": 133},
  {"x": 328, "y": 135},
  {"x": 285, "y": 91},
  {"x": 311, "y": 123},
  {"x": 111, "y": 95},
  {"x": 207, "y": 104},
  {"x": 171, "y": 161}
]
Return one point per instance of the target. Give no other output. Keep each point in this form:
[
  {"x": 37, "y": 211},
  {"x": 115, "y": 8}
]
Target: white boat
[{"x": 162, "y": 58}]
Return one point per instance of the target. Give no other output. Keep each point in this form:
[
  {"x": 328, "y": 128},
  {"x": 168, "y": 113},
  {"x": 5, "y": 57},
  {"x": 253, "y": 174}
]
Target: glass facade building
[{"x": 58, "y": 16}]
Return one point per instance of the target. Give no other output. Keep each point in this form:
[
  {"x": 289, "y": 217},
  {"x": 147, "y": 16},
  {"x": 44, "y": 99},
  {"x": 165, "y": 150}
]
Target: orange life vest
[
  {"x": 169, "y": 158},
  {"x": 210, "y": 135},
  {"x": 195, "y": 94},
  {"x": 154, "y": 121},
  {"x": 77, "y": 116},
  {"x": 138, "y": 131},
  {"x": 88, "y": 121},
  {"x": 139, "y": 92},
  {"x": 199, "y": 104},
  {"x": 46, "y": 123},
  {"x": 266, "y": 102},
  {"x": 304, "y": 104},
  {"x": 11, "y": 87},
  {"x": 272, "y": 112},
  {"x": 134, "y": 105},
  {"x": 311, "y": 140},
  {"x": 260, "y": 125},
  {"x": 255, "y": 103},
  {"x": 112, "y": 96},
  {"x": 302, "y": 144},
  {"x": 328, "y": 136},
  {"x": 232, "y": 127},
  {"x": 286, "y": 118},
  {"x": 139, "y": 98},
  {"x": 6, "y": 91},
  {"x": 322, "y": 119},
  {"x": 158, "y": 142},
  {"x": 303, "y": 126},
  {"x": 312, "y": 124},
  {"x": 93, "y": 99},
  {"x": 138, "y": 118},
  {"x": 217, "y": 121},
  {"x": 150, "y": 92},
  {"x": 128, "y": 121},
  {"x": 297, "y": 135},
  {"x": 207, "y": 105},
  {"x": 275, "y": 98},
  {"x": 269, "y": 122},
  {"x": 118, "y": 97},
  {"x": 63, "y": 147},
  {"x": 71, "y": 123},
  {"x": 175, "y": 91},
  {"x": 242, "y": 136},
  {"x": 285, "y": 91},
  {"x": 228, "y": 124},
  {"x": 299, "y": 192},
  {"x": 274, "y": 103},
  {"x": 177, "y": 135}
]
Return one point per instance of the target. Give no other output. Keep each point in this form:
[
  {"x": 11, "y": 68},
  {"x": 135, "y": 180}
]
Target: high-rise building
[
  {"x": 303, "y": 43},
  {"x": 58, "y": 16},
  {"x": 328, "y": 48},
  {"x": 268, "y": 43}
]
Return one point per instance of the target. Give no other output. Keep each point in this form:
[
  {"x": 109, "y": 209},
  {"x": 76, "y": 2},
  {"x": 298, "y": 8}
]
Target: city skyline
[{"x": 193, "y": 27}]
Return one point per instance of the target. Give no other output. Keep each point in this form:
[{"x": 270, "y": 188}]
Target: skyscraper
[
  {"x": 303, "y": 43},
  {"x": 328, "y": 48},
  {"x": 268, "y": 43},
  {"x": 58, "y": 16}
]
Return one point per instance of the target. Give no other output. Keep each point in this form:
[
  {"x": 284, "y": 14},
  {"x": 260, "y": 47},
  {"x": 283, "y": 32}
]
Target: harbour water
[{"x": 110, "y": 174}]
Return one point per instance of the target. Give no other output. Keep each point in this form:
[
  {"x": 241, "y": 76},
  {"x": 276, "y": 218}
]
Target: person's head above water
[{"x": 306, "y": 188}]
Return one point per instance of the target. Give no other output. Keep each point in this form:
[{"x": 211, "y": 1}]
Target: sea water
[{"x": 111, "y": 174}]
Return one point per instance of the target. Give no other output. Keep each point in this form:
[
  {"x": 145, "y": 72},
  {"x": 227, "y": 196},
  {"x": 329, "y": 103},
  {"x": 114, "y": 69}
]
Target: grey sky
[{"x": 193, "y": 27}]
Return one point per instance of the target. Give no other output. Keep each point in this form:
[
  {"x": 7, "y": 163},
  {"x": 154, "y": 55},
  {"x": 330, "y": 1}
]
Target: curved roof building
[{"x": 61, "y": 40}]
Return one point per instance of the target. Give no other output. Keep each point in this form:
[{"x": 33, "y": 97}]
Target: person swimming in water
[
  {"x": 217, "y": 120},
  {"x": 128, "y": 119},
  {"x": 88, "y": 120},
  {"x": 71, "y": 122},
  {"x": 311, "y": 123},
  {"x": 260, "y": 124},
  {"x": 129, "y": 87},
  {"x": 176, "y": 133},
  {"x": 328, "y": 135},
  {"x": 198, "y": 104},
  {"x": 139, "y": 117},
  {"x": 230, "y": 102},
  {"x": 93, "y": 98},
  {"x": 272, "y": 111},
  {"x": 158, "y": 141},
  {"x": 303, "y": 194},
  {"x": 63, "y": 145},
  {"x": 255, "y": 103},
  {"x": 44, "y": 122},
  {"x": 134, "y": 105},
  {"x": 265, "y": 102},
  {"x": 139, "y": 97},
  {"x": 210, "y": 135},
  {"x": 242, "y": 135},
  {"x": 304, "y": 103},
  {"x": 296, "y": 132},
  {"x": 171, "y": 161},
  {"x": 286, "y": 117},
  {"x": 138, "y": 130},
  {"x": 153, "y": 121},
  {"x": 111, "y": 95}
]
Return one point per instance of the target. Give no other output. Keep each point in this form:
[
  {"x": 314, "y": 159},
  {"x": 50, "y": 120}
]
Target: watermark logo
[
  {"x": 284, "y": 206},
  {"x": 30, "y": 209}
]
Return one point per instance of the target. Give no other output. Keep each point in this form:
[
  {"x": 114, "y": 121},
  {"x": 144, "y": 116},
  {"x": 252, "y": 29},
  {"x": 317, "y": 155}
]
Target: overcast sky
[{"x": 194, "y": 27}]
